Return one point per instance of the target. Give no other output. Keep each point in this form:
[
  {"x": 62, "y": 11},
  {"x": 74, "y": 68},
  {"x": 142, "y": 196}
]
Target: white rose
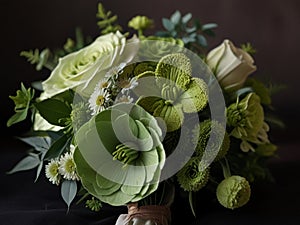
[
  {"x": 230, "y": 64},
  {"x": 78, "y": 69}
]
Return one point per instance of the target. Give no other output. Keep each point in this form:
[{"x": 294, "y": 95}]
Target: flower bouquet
[{"x": 138, "y": 120}]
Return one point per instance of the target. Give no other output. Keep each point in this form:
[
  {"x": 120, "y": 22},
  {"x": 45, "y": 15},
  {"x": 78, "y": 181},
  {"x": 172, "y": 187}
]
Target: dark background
[{"x": 272, "y": 26}]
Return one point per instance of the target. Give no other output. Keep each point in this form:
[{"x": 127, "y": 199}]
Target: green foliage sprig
[
  {"x": 192, "y": 32},
  {"x": 107, "y": 21}
]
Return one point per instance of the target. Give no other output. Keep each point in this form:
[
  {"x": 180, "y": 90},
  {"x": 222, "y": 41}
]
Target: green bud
[{"x": 233, "y": 192}]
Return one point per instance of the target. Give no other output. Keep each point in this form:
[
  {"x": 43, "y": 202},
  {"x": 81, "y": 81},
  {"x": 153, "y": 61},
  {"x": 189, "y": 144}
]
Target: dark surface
[{"x": 23, "y": 202}]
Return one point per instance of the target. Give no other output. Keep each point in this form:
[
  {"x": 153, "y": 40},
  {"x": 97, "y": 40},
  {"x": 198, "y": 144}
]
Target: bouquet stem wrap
[{"x": 149, "y": 214}]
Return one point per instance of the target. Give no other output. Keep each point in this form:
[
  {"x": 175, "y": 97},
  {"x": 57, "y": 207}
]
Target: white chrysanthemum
[
  {"x": 124, "y": 99},
  {"x": 67, "y": 166},
  {"x": 127, "y": 84},
  {"x": 99, "y": 98},
  {"x": 52, "y": 171}
]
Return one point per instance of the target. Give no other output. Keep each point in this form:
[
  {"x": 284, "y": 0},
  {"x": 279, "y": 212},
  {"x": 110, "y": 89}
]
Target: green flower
[
  {"x": 91, "y": 62},
  {"x": 119, "y": 154},
  {"x": 192, "y": 177},
  {"x": 154, "y": 48},
  {"x": 233, "y": 192},
  {"x": 173, "y": 91},
  {"x": 246, "y": 117},
  {"x": 140, "y": 23},
  {"x": 219, "y": 144}
]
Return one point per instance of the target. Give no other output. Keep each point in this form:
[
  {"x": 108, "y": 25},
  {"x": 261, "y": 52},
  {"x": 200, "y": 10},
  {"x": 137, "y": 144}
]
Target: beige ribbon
[{"x": 157, "y": 214}]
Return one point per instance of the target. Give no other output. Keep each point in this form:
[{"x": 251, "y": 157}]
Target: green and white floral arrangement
[{"x": 100, "y": 134}]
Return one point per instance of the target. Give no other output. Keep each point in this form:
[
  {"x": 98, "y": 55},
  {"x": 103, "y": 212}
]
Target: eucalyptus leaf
[
  {"x": 68, "y": 191},
  {"x": 175, "y": 18},
  {"x": 27, "y": 163},
  {"x": 39, "y": 143},
  {"x": 168, "y": 24},
  {"x": 186, "y": 18},
  {"x": 209, "y": 26},
  {"x": 201, "y": 40},
  {"x": 38, "y": 171}
]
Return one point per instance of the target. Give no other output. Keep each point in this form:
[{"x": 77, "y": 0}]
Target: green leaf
[
  {"x": 53, "y": 110},
  {"x": 209, "y": 26},
  {"x": 201, "y": 40},
  {"x": 39, "y": 143},
  {"x": 168, "y": 24},
  {"x": 186, "y": 18},
  {"x": 28, "y": 163},
  {"x": 58, "y": 147},
  {"x": 175, "y": 18},
  {"x": 38, "y": 171},
  {"x": 68, "y": 191},
  {"x": 17, "y": 117}
]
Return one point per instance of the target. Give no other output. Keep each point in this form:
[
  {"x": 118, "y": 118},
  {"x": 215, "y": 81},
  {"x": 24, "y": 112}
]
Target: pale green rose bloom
[
  {"x": 119, "y": 154},
  {"x": 82, "y": 69},
  {"x": 246, "y": 117},
  {"x": 230, "y": 64}
]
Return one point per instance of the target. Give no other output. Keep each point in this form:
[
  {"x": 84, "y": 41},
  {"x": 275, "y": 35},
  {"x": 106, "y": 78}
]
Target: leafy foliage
[
  {"x": 107, "y": 22},
  {"x": 192, "y": 32}
]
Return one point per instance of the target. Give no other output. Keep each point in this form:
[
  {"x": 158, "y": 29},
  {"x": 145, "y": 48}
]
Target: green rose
[
  {"x": 119, "y": 154},
  {"x": 79, "y": 69}
]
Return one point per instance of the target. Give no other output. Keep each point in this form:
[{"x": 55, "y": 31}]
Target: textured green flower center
[
  {"x": 100, "y": 100},
  {"x": 192, "y": 171},
  {"x": 53, "y": 170},
  {"x": 70, "y": 166},
  {"x": 125, "y": 154}
]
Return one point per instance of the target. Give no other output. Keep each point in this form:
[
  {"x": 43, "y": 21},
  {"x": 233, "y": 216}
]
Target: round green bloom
[
  {"x": 246, "y": 117},
  {"x": 220, "y": 141},
  {"x": 192, "y": 177},
  {"x": 176, "y": 91},
  {"x": 140, "y": 23},
  {"x": 233, "y": 192},
  {"x": 119, "y": 154}
]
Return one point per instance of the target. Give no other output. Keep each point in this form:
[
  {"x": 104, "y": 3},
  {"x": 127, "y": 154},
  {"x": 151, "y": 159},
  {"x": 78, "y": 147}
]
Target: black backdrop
[{"x": 272, "y": 26}]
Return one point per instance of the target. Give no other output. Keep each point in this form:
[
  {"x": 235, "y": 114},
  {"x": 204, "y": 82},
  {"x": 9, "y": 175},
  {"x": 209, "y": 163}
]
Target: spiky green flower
[
  {"x": 233, "y": 192},
  {"x": 193, "y": 177},
  {"x": 246, "y": 118},
  {"x": 219, "y": 139}
]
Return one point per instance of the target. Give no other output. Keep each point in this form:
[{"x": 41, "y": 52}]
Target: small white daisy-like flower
[
  {"x": 67, "y": 166},
  {"x": 127, "y": 84},
  {"x": 98, "y": 99},
  {"x": 124, "y": 99},
  {"x": 52, "y": 171}
]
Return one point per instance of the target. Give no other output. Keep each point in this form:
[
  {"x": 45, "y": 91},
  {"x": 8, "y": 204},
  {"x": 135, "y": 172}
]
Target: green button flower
[
  {"x": 233, "y": 192},
  {"x": 119, "y": 154},
  {"x": 177, "y": 91}
]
